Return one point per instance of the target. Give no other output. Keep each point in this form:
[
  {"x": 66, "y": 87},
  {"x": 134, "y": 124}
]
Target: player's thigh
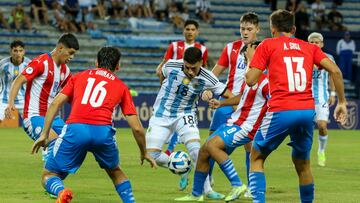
[
  {"x": 104, "y": 146},
  {"x": 322, "y": 112},
  {"x": 33, "y": 126},
  {"x": 301, "y": 135},
  {"x": 70, "y": 148},
  {"x": 272, "y": 132},
  {"x": 158, "y": 132},
  {"x": 221, "y": 115},
  {"x": 186, "y": 127}
]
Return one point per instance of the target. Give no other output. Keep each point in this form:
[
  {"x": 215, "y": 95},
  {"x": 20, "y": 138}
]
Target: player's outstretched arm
[
  {"x": 218, "y": 69},
  {"x": 14, "y": 90},
  {"x": 139, "y": 135},
  {"x": 159, "y": 71},
  {"x": 52, "y": 111},
  {"x": 340, "y": 113}
]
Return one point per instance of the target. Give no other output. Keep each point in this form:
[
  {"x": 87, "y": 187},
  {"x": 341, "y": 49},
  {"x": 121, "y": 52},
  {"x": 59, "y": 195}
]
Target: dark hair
[
  {"x": 69, "y": 40},
  {"x": 282, "y": 20},
  {"x": 108, "y": 57},
  {"x": 191, "y": 22},
  {"x": 17, "y": 43},
  {"x": 193, "y": 55},
  {"x": 250, "y": 17}
]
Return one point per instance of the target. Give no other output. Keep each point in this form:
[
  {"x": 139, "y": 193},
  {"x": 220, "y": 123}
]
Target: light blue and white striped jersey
[
  {"x": 178, "y": 95},
  {"x": 320, "y": 84},
  {"x": 8, "y": 73}
]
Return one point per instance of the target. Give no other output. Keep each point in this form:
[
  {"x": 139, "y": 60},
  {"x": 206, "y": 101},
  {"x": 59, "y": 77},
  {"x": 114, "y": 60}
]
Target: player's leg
[
  {"x": 172, "y": 143},
  {"x": 301, "y": 142},
  {"x": 122, "y": 184},
  {"x": 322, "y": 116},
  {"x": 247, "y": 148},
  {"x": 272, "y": 132},
  {"x": 156, "y": 135}
]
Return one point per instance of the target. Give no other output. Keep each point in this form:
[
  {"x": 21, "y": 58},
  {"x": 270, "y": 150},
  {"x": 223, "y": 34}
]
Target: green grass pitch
[{"x": 20, "y": 173}]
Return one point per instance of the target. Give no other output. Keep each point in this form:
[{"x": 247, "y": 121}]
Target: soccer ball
[{"x": 179, "y": 163}]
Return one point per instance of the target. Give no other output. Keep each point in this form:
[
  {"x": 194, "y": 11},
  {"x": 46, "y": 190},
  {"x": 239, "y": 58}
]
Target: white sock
[{"x": 322, "y": 143}]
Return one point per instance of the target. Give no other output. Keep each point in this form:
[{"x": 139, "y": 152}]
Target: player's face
[
  {"x": 17, "y": 54},
  {"x": 190, "y": 32},
  {"x": 248, "y": 32},
  {"x": 317, "y": 42},
  {"x": 67, "y": 54},
  {"x": 192, "y": 70}
]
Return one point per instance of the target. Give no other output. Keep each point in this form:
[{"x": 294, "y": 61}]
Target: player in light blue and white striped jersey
[
  {"x": 10, "y": 68},
  {"x": 175, "y": 107},
  {"x": 323, "y": 99}
]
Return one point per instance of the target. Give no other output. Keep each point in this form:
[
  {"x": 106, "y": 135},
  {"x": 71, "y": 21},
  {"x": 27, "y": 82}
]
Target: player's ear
[
  {"x": 96, "y": 64},
  {"x": 293, "y": 30},
  {"x": 117, "y": 68}
]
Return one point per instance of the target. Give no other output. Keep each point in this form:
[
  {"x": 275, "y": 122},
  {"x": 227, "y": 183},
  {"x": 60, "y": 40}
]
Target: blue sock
[
  {"x": 257, "y": 186},
  {"x": 125, "y": 191},
  {"x": 172, "y": 143},
  {"x": 211, "y": 162},
  {"x": 54, "y": 185},
  {"x": 307, "y": 193},
  {"x": 198, "y": 185},
  {"x": 247, "y": 156},
  {"x": 229, "y": 170}
]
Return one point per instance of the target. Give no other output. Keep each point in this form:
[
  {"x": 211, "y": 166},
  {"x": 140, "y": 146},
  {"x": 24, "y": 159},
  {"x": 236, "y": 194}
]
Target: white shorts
[
  {"x": 322, "y": 112},
  {"x": 161, "y": 128},
  {"x": 20, "y": 109}
]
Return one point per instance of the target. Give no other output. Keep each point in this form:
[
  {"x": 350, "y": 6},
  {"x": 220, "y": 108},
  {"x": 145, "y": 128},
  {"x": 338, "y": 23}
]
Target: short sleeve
[
  {"x": 67, "y": 79},
  {"x": 260, "y": 58},
  {"x": 127, "y": 104},
  {"x": 169, "y": 52},
  {"x": 205, "y": 57},
  {"x": 68, "y": 89},
  {"x": 224, "y": 59},
  {"x": 265, "y": 91},
  {"x": 165, "y": 70},
  {"x": 319, "y": 55},
  {"x": 213, "y": 84},
  {"x": 33, "y": 70}
]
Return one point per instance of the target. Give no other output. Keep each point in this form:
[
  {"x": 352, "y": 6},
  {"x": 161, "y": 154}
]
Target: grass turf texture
[{"x": 20, "y": 173}]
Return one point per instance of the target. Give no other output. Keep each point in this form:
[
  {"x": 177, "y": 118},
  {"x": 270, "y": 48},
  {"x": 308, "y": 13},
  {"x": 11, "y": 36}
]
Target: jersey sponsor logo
[
  {"x": 29, "y": 70},
  {"x": 181, "y": 47},
  {"x": 352, "y": 119},
  {"x": 51, "y": 72}
]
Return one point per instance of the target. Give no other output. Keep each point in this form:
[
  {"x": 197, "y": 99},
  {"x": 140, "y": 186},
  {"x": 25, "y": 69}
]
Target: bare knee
[
  {"x": 116, "y": 175},
  {"x": 322, "y": 125}
]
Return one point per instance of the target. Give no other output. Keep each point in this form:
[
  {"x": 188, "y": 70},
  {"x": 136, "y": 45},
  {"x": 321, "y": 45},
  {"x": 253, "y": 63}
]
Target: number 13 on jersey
[{"x": 297, "y": 79}]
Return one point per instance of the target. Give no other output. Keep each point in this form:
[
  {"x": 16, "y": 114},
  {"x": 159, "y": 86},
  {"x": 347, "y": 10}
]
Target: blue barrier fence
[{"x": 144, "y": 108}]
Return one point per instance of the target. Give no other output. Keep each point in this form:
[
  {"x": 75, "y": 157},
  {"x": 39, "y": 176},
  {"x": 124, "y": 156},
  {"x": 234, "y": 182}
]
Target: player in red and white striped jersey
[{"x": 44, "y": 76}]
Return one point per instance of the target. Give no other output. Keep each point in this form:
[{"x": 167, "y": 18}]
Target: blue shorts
[
  {"x": 76, "y": 140},
  {"x": 33, "y": 126},
  {"x": 276, "y": 126},
  {"x": 221, "y": 115},
  {"x": 232, "y": 135}
]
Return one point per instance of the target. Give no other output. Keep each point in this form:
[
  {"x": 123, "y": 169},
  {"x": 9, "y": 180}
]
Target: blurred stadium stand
[{"x": 143, "y": 41}]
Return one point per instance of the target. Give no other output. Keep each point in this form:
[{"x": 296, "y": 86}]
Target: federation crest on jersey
[
  {"x": 29, "y": 70},
  {"x": 16, "y": 72},
  {"x": 186, "y": 81},
  {"x": 352, "y": 119}
]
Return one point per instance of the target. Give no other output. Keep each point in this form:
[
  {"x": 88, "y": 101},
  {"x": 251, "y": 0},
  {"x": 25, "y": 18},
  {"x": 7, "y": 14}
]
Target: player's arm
[
  {"x": 52, "y": 111},
  {"x": 340, "y": 112},
  {"x": 332, "y": 92},
  {"x": 14, "y": 90},
  {"x": 252, "y": 74},
  {"x": 139, "y": 135},
  {"x": 159, "y": 70},
  {"x": 233, "y": 101},
  {"x": 218, "y": 69}
]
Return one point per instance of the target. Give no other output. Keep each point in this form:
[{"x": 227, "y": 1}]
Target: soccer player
[
  {"x": 43, "y": 76},
  {"x": 291, "y": 106},
  {"x": 176, "y": 51},
  {"x": 239, "y": 130},
  {"x": 93, "y": 95},
  {"x": 175, "y": 108},
  {"x": 10, "y": 68},
  {"x": 323, "y": 99}
]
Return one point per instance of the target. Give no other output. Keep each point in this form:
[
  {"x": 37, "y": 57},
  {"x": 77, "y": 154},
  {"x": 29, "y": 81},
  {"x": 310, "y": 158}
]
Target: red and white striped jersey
[
  {"x": 232, "y": 58},
  {"x": 176, "y": 50},
  {"x": 44, "y": 79},
  {"x": 252, "y": 106}
]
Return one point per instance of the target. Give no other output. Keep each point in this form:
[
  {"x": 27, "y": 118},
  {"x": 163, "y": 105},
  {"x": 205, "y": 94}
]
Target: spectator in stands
[
  {"x": 39, "y": 11},
  {"x": 134, "y": 7},
  {"x": 345, "y": 49},
  {"x": 62, "y": 20},
  {"x": 302, "y": 22},
  {"x": 335, "y": 19},
  {"x": 84, "y": 19},
  {"x": 292, "y": 5},
  {"x": 3, "y": 22},
  {"x": 318, "y": 9},
  {"x": 117, "y": 9},
  {"x": 161, "y": 9},
  {"x": 72, "y": 7},
  {"x": 203, "y": 10},
  {"x": 176, "y": 17},
  {"x": 19, "y": 19}
]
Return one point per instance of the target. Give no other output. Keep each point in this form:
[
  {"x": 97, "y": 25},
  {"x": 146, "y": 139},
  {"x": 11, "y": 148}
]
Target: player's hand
[
  {"x": 214, "y": 103},
  {"x": 9, "y": 111},
  {"x": 340, "y": 113},
  {"x": 41, "y": 142},
  {"x": 250, "y": 52},
  {"x": 331, "y": 100},
  {"x": 206, "y": 95},
  {"x": 149, "y": 159}
]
